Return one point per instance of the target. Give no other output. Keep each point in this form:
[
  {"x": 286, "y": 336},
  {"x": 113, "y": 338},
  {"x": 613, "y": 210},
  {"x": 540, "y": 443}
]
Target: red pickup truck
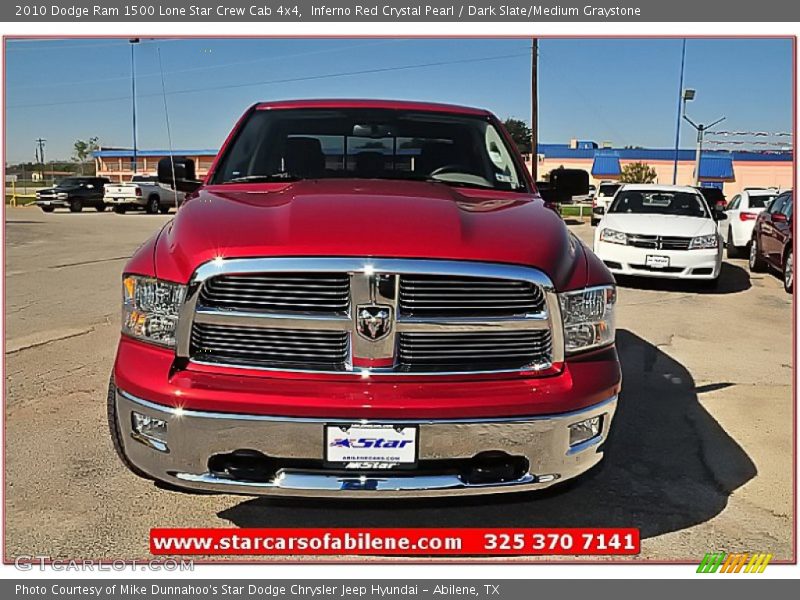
[{"x": 363, "y": 298}]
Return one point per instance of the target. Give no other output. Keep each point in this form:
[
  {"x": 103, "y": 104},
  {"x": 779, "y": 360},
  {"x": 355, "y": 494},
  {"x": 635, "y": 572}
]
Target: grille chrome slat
[
  {"x": 286, "y": 292},
  {"x": 420, "y": 351},
  {"x": 445, "y": 296},
  {"x": 269, "y": 346}
]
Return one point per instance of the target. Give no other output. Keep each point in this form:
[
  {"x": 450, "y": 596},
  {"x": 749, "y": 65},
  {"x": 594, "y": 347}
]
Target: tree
[
  {"x": 520, "y": 133},
  {"x": 83, "y": 150},
  {"x": 637, "y": 172}
]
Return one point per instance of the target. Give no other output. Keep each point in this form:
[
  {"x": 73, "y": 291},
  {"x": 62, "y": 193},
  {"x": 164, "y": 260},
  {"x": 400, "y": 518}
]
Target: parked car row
[
  {"x": 679, "y": 232},
  {"x": 143, "y": 192}
]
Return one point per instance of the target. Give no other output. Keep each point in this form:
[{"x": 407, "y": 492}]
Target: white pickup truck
[{"x": 142, "y": 192}]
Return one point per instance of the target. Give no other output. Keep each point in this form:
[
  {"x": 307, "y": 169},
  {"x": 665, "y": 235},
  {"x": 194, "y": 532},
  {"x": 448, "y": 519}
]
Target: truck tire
[
  {"x": 76, "y": 205},
  {"x": 153, "y": 204},
  {"x": 47, "y": 209},
  {"x": 116, "y": 434},
  {"x": 100, "y": 206},
  {"x": 120, "y": 209},
  {"x": 164, "y": 209}
]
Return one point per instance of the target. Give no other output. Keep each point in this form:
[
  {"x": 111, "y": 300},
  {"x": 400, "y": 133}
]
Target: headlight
[
  {"x": 613, "y": 236},
  {"x": 704, "y": 241},
  {"x": 588, "y": 317},
  {"x": 150, "y": 308}
]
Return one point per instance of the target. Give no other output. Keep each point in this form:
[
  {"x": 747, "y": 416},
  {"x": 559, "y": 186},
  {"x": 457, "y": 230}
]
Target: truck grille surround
[{"x": 387, "y": 316}]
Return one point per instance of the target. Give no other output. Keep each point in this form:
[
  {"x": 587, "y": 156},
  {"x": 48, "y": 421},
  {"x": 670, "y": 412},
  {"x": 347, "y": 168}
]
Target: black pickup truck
[{"x": 73, "y": 193}]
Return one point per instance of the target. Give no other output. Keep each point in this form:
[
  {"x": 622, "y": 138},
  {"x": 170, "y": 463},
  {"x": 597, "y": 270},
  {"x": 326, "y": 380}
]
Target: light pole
[
  {"x": 688, "y": 95},
  {"x": 133, "y": 42},
  {"x": 678, "y": 119}
]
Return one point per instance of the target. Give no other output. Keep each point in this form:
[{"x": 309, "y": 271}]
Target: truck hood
[
  {"x": 357, "y": 217},
  {"x": 667, "y": 225}
]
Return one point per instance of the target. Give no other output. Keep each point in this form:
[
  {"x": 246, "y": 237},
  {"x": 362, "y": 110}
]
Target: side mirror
[
  {"x": 184, "y": 179},
  {"x": 567, "y": 183},
  {"x": 720, "y": 216}
]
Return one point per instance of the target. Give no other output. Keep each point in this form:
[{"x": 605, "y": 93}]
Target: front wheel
[
  {"x": 47, "y": 209},
  {"x": 152, "y": 205},
  {"x": 756, "y": 263},
  {"x": 76, "y": 206},
  {"x": 788, "y": 272}
]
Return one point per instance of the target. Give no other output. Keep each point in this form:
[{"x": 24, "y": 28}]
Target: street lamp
[
  {"x": 688, "y": 96},
  {"x": 133, "y": 42}
]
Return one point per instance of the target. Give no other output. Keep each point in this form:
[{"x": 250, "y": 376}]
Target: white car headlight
[
  {"x": 612, "y": 236},
  {"x": 150, "y": 308},
  {"x": 704, "y": 241},
  {"x": 588, "y": 317}
]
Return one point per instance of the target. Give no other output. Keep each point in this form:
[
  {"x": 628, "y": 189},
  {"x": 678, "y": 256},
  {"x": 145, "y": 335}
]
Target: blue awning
[
  {"x": 606, "y": 165},
  {"x": 716, "y": 168}
]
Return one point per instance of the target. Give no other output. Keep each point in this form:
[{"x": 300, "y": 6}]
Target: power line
[
  {"x": 285, "y": 80},
  {"x": 270, "y": 58}
]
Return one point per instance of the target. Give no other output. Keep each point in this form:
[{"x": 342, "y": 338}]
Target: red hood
[{"x": 351, "y": 217}]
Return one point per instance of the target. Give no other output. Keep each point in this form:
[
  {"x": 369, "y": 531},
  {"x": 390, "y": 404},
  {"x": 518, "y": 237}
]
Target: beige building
[
  {"x": 732, "y": 171},
  {"x": 117, "y": 163}
]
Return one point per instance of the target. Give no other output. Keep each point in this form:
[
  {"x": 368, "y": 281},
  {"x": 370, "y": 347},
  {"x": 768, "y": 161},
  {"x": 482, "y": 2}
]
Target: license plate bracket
[
  {"x": 655, "y": 261},
  {"x": 371, "y": 446}
]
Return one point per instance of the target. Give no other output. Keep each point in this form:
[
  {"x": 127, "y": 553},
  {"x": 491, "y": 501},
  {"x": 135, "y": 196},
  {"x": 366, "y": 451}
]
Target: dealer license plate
[
  {"x": 370, "y": 446},
  {"x": 657, "y": 262}
]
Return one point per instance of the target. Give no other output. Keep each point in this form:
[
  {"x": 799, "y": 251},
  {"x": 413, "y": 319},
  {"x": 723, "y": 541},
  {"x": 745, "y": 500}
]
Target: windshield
[
  {"x": 608, "y": 190},
  {"x": 72, "y": 181},
  {"x": 760, "y": 201},
  {"x": 659, "y": 202},
  {"x": 287, "y": 145}
]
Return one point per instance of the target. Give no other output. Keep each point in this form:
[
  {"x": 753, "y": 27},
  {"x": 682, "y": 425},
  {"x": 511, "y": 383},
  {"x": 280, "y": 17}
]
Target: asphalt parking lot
[{"x": 700, "y": 460}]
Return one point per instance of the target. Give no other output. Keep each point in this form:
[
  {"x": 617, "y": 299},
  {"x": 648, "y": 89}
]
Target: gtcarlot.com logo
[{"x": 721, "y": 562}]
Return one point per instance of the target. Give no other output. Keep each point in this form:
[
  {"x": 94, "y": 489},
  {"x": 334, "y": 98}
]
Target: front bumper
[
  {"x": 683, "y": 264},
  {"x": 297, "y": 447},
  {"x": 55, "y": 202}
]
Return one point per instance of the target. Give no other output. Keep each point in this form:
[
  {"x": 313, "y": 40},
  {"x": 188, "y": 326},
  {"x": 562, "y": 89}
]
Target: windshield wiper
[{"x": 279, "y": 176}]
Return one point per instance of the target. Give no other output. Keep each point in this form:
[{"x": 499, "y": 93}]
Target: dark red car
[{"x": 771, "y": 246}]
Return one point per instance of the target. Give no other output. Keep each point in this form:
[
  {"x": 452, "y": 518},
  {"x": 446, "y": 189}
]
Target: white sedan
[
  {"x": 663, "y": 231},
  {"x": 742, "y": 213}
]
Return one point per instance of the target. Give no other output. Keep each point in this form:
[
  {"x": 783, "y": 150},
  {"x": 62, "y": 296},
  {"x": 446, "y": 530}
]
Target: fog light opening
[
  {"x": 150, "y": 431},
  {"x": 586, "y": 430}
]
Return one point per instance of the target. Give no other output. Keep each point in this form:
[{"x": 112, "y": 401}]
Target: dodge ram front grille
[
  {"x": 370, "y": 315},
  {"x": 448, "y": 296},
  {"x": 473, "y": 351},
  {"x": 285, "y": 292},
  {"x": 271, "y": 347}
]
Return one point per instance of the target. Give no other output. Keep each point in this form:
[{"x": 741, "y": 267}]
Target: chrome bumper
[{"x": 193, "y": 437}]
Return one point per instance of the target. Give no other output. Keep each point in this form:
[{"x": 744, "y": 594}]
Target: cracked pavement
[{"x": 700, "y": 458}]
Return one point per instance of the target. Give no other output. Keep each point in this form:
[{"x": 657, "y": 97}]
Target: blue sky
[{"x": 622, "y": 91}]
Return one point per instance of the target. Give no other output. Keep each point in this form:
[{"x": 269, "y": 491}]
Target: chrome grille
[
  {"x": 279, "y": 292},
  {"x": 388, "y": 316},
  {"x": 270, "y": 347},
  {"x": 474, "y": 351},
  {"x": 659, "y": 242},
  {"x": 449, "y": 296}
]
